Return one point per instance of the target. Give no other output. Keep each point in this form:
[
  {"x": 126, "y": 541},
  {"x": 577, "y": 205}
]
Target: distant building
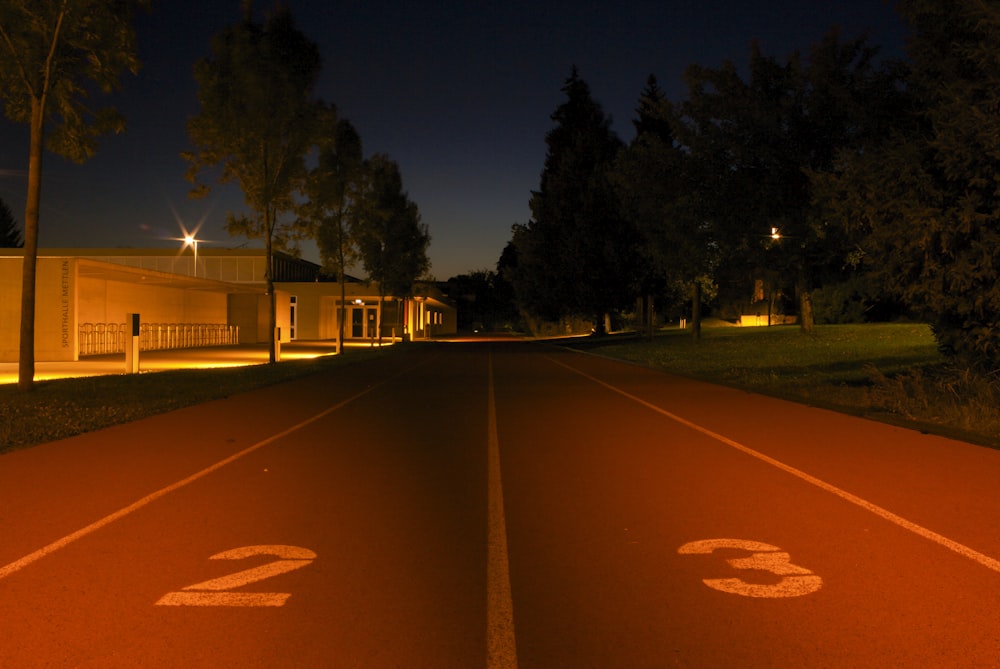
[{"x": 83, "y": 295}]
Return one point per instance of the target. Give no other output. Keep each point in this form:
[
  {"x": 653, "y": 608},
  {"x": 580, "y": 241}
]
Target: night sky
[{"x": 458, "y": 93}]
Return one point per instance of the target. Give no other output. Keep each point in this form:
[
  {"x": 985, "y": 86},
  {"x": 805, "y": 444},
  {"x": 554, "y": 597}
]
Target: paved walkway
[{"x": 155, "y": 361}]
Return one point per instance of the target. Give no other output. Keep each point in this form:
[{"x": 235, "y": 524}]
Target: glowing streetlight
[
  {"x": 190, "y": 240},
  {"x": 774, "y": 234}
]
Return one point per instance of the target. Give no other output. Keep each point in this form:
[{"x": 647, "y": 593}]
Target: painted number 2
[
  {"x": 795, "y": 582},
  {"x": 218, "y": 591}
]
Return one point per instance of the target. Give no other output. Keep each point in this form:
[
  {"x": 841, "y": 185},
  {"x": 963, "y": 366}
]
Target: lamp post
[
  {"x": 189, "y": 240},
  {"x": 775, "y": 237}
]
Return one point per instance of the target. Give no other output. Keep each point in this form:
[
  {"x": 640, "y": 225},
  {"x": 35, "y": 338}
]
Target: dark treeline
[
  {"x": 830, "y": 185},
  {"x": 10, "y": 233}
]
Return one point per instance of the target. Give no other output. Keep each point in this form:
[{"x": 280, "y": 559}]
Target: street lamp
[{"x": 189, "y": 240}]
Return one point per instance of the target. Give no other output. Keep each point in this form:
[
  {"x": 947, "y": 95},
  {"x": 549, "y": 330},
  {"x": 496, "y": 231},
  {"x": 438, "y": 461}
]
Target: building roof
[{"x": 242, "y": 265}]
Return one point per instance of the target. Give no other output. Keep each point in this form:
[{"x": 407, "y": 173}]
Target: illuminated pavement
[
  {"x": 156, "y": 361},
  {"x": 500, "y": 505}
]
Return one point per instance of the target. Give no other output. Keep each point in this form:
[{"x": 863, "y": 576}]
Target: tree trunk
[
  {"x": 26, "y": 361},
  {"x": 341, "y": 313},
  {"x": 272, "y": 317},
  {"x": 600, "y": 328},
  {"x": 645, "y": 308},
  {"x": 650, "y": 316},
  {"x": 378, "y": 315},
  {"x": 696, "y": 310},
  {"x": 806, "y": 321}
]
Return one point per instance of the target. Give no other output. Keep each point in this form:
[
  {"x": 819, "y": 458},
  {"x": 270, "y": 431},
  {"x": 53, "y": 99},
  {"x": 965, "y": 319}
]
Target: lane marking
[
  {"x": 501, "y": 646},
  {"x": 23, "y": 562},
  {"x": 796, "y": 581},
  {"x": 885, "y": 514},
  {"x": 224, "y": 599},
  {"x": 293, "y": 557}
]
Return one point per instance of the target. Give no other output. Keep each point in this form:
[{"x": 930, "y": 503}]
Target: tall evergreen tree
[
  {"x": 51, "y": 55},
  {"x": 257, "y": 121},
  {"x": 10, "y": 234},
  {"x": 928, "y": 197},
  {"x": 653, "y": 177},
  {"x": 577, "y": 255}
]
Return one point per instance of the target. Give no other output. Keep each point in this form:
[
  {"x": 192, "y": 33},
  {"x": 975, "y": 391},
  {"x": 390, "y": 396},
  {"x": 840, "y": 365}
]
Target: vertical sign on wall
[{"x": 64, "y": 306}]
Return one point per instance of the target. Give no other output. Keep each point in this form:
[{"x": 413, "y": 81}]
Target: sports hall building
[{"x": 216, "y": 298}]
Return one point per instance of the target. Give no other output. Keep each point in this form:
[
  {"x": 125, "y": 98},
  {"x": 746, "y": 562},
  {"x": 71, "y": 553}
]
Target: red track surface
[{"x": 650, "y": 521}]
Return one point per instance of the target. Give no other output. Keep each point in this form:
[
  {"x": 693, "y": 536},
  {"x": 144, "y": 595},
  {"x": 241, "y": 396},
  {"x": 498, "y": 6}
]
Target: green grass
[
  {"x": 891, "y": 372},
  {"x": 64, "y": 407}
]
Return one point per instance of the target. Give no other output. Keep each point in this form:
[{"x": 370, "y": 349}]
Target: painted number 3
[
  {"x": 795, "y": 580},
  {"x": 217, "y": 591}
]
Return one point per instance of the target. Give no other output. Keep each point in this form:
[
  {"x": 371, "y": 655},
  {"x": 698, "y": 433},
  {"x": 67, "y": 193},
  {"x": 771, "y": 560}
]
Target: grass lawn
[
  {"x": 888, "y": 371},
  {"x": 63, "y": 407}
]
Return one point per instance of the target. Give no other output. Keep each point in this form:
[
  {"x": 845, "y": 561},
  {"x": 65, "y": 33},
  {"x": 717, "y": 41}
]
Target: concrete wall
[
  {"x": 55, "y": 309},
  {"x": 328, "y": 314},
  {"x": 103, "y": 301},
  {"x": 10, "y": 309},
  {"x": 250, "y": 313},
  {"x": 316, "y": 309},
  {"x": 282, "y": 315}
]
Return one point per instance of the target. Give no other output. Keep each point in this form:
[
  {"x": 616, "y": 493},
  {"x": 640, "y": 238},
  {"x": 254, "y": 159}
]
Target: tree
[
  {"x": 927, "y": 197},
  {"x": 576, "y": 257},
  {"x": 484, "y": 301},
  {"x": 334, "y": 191},
  {"x": 392, "y": 242},
  {"x": 51, "y": 53},
  {"x": 10, "y": 235},
  {"x": 257, "y": 121},
  {"x": 758, "y": 141},
  {"x": 653, "y": 177}
]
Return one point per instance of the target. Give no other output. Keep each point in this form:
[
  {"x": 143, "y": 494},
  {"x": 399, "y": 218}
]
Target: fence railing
[{"x": 98, "y": 338}]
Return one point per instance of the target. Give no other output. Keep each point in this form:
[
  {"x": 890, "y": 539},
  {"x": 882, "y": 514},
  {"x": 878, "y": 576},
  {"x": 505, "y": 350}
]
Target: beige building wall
[
  {"x": 328, "y": 313},
  {"x": 249, "y": 311},
  {"x": 315, "y": 309},
  {"x": 74, "y": 289},
  {"x": 282, "y": 319},
  {"x": 103, "y": 301},
  {"x": 10, "y": 309},
  {"x": 55, "y": 309}
]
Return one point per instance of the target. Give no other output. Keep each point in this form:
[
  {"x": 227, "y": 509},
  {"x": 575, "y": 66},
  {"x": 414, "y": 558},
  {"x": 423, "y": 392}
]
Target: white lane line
[
  {"x": 241, "y": 599},
  {"x": 501, "y": 646},
  {"x": 950, "y": 544},
  {"x": 17, "y": 565}
]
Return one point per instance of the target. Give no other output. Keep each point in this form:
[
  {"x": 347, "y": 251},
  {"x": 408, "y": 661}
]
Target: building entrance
[{"x": 364, "y": 321}]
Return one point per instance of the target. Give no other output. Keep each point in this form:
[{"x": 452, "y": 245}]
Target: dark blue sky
[{"x": 459, "y": 93}]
